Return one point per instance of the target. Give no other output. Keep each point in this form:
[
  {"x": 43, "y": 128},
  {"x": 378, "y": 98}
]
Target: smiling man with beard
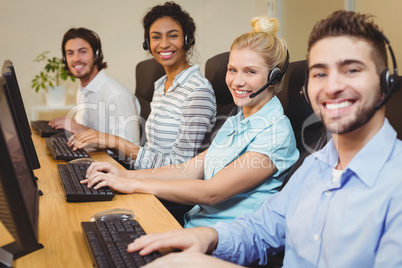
[{"x": 103, "y": 104}]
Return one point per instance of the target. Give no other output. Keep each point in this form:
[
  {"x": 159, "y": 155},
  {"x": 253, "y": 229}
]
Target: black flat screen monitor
[
  {"x": 19, "y": 114},
  {"x": 19, "y": 194}
]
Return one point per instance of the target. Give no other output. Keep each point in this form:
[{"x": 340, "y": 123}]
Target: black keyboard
[
  {"x": 59, "y": 149},
  {"x": 71, "y": 174},
  {"x": 44, "y": 130},
  {"x": 107, "y": 243}
]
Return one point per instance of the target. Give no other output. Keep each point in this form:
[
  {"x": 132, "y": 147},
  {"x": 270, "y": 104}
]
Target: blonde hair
[{"x": 264, "y": 41}]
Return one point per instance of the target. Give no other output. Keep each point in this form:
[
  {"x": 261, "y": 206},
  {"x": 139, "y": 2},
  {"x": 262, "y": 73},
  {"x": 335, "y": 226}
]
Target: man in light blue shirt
[{"x": 343, "y": 206}]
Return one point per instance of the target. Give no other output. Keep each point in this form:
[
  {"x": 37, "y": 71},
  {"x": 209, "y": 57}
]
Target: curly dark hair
[
  {"x": 92, "y": 38},
  {"x": 349, "y": 23},
  {"x": 174, "y": 11}
]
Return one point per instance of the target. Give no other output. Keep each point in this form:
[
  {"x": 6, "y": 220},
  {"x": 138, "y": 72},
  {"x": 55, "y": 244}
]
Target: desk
[{"x": 67, "y": 248}]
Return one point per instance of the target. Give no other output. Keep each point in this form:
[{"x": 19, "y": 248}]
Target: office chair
[
  {"x": 146, "y": 73},
  {"x": 215, "y": 72},
  {"x": 393, "y": 111}
]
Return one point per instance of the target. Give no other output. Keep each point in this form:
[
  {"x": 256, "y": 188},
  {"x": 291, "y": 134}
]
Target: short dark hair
[
  {"x": 174, "y": 11},
  {"x": 349, "y": 23},
  {"x": 92, "y": 38}
]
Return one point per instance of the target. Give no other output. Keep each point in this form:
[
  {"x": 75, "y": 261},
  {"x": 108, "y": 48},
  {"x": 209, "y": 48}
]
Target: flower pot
[{"x": 56, "y": 96}]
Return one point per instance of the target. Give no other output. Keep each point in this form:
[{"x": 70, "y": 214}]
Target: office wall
[
  {"x": 299, "y": 18},
  {"x": 31, "y": 27}
]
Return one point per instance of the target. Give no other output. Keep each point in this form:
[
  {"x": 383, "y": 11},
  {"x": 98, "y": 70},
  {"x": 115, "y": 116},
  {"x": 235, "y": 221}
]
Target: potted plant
[{"x": 50, "y": 79}]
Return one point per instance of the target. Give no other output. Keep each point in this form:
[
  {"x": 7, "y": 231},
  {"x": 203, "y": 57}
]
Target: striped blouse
[{"x": 178, "y": 121}]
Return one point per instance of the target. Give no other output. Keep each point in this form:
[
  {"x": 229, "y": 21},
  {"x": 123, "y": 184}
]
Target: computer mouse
[
  {"x": 82, "y": 160},
  {"x": 115, "y": 214}
]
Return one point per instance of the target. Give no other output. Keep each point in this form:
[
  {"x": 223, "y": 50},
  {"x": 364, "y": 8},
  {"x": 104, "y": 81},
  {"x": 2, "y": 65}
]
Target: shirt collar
[
  {"x": 367, "y": 163},
  {"x": 95, "y": 84},
  {"x": 179, "y": 80},
  {"x": 271, "y": 112}
]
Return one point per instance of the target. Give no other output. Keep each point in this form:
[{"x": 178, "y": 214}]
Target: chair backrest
[
  {"x": 306, "y": 125},
  {"x": 393, "y": 111},
  {"x": 309, "y": 132},
  {"x": 215, "y": 72},
  {"x": 146, "y": 73}
]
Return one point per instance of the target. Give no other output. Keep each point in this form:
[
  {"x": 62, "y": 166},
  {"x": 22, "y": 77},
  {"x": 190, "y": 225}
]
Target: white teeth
[
  {"x": 166, "y": 53},
  {"x": 78, "y": 66},
  {"x": 335, "y": 106},
  {"x": 241, "y": 92}
]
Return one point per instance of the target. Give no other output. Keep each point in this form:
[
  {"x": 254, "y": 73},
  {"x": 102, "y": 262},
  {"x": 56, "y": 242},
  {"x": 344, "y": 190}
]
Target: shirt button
[{"x": 316, "y": 237}]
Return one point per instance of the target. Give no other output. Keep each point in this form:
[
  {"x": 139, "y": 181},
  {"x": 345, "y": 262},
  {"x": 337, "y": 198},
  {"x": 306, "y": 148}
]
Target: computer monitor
[
  {"x": 19, "y": 114},
  {"x": 19, "y": 194}
]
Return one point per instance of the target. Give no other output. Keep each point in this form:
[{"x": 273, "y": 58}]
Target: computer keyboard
[
  {"x": 71, "y": 174},
  {"x": 57, "y": 145},
  {"x": 107, "y": 243},
  {"x": 44, "y": 130}
]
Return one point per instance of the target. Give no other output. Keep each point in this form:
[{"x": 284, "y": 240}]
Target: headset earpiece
[
  {"x": 274, "y": 76},
  {"x": 385, "y": 81},
  {"x": 304, "y": 89},
  {"x": 145, "y": 44}
]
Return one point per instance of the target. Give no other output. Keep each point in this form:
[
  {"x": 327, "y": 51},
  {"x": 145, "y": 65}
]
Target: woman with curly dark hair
[{"x": 183, "y": 107}]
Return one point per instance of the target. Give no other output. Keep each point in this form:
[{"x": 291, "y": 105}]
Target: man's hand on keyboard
[{"x": 68, "y": 124}]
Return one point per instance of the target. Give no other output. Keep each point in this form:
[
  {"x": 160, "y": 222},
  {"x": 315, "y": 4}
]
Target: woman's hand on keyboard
[
  {"x": 189, "y": 259},
  {"x": 104, "y": 167},
  {"x": 101, "y": 174},
  {"x": 90, "y": 137}
]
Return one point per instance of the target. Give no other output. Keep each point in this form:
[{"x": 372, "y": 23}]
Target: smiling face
[
  {"x": 166, "y": 43},
  {"x": 80, "y": 60},
  {"x": 344, "y": 86},
  {"x": 247, "y": 73}
]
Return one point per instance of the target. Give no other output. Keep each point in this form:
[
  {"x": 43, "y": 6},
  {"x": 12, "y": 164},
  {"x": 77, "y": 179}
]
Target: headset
[
  {"x": 389, "y": 82},
  {"x": 146, "y": 44},
  {"x": 274, "y": 76},
  {"x": 97, "y": 56}
]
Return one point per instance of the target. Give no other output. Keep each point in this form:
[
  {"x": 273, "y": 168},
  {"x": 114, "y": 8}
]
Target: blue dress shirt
[
  {"x": 352, "y": 222},
  {"x": 268, "y": 132}
]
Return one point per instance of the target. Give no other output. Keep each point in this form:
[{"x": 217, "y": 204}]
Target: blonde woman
[{"x": 248, "y": 158}]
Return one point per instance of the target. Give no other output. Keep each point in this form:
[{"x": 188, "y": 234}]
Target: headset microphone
[
  {"x": 274, "y": 76},
  {"x": 252, "y": 95}
]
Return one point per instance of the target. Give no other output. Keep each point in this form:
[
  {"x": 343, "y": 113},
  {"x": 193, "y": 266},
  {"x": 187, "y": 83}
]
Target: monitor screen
[
  {"x": 19, "y": 114},
  {"x": 19, "y": 194}
]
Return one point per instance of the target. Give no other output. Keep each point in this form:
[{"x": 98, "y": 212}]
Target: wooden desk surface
[{"x": 60, "y": 222}]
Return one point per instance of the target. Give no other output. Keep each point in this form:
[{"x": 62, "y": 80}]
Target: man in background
[{"x": 103, "y": 104}]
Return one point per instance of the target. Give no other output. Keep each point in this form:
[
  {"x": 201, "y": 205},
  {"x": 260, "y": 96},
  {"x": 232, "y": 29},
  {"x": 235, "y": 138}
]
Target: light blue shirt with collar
[
  {"x": 268, "y": 132},
  {"x": 352, "y": 222}
]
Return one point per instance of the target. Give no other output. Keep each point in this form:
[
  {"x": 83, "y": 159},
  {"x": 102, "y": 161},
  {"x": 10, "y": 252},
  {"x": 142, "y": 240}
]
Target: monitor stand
[
  {"x": 15, "y": 252},
  {"x": 6, "y": 258}
]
